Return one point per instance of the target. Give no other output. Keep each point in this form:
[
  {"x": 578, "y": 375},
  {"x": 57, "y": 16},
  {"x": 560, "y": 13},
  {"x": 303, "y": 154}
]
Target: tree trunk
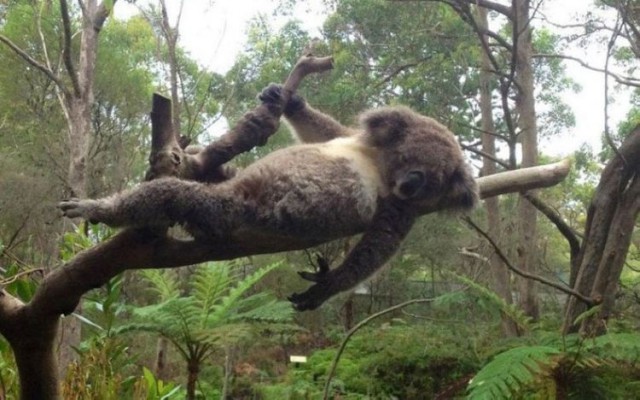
[
  {"x": 228, "y": 366},
  {"x": 193, "y": 370},
  {"x": 610, "y": 222},
  {"x": 348, "y": 312},
  {"x": 499, "y": 273},
  {"x": 525, "y": 105},
  {"x": 79, "y": 103},
  {"x": 160, "y": 365}
]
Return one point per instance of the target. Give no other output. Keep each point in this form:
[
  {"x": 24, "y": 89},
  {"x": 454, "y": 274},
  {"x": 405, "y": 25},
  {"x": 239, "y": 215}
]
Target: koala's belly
[{"x": 323, "y": 191}]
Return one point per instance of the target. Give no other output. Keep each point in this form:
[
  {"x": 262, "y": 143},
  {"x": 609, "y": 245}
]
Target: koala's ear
[
  {"x": 385, "y": 125},
  {"x": 463, "y": 190}
]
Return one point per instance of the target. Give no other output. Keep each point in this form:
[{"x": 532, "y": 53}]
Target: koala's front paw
[
  {"x": 318, "y": 293},
  {"x": 312, "y": 298},
  {"x": 272, "y": 94},
  {"x": 76, "y": 208},
  {"x": 323, "y": 270}
]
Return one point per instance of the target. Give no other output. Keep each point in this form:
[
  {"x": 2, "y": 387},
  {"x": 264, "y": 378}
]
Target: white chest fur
[{"x": 362, "y": 159}]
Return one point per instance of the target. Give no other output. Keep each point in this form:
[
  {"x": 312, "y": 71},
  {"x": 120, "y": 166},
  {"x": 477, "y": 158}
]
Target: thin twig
[
  {"x": 629, "y": 81},
  {"x": 556, "y": 219},
  {"x": 5, "y": 282},
  {"x": 353, "y": 330},
  {"x": 505, "y": 260}
]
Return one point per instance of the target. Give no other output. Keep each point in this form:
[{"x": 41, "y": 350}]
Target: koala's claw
[
  {"x": 309, "y": 300},
  {"x": 310, "y": 276},
  {"x": 321, "y": 275},
  {"x": 76, "y": 208},
  {"x": 272, "y": 94}
]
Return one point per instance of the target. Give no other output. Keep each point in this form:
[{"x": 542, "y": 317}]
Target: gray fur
[{"x": 347, "y": 181}]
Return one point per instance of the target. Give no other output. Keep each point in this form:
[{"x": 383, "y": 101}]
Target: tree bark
[
  {"x": 160, "y": 365},
  {"x": 501, "y": 278},
  {"x": 610, "y": 222},
  {"x": 193, "y": 370},
  {"x": 525, "y": 105},
  {"x": 79, "y": 101}
]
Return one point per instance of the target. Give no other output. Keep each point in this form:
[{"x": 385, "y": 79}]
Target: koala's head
[{"x": 422, "y": 161}]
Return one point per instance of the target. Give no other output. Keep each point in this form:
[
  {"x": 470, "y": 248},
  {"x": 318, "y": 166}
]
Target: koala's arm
[
  {"x": 390, "y": 226},
  {"x": 313, "y": 126},
  {"x": 309, "y": 125}
]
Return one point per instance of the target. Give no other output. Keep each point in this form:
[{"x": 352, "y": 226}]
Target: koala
[{"x": 339, "y": 181}]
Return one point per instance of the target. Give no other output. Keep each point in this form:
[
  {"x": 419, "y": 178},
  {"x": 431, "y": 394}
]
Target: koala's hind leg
[{"x": 161, "y": 202}]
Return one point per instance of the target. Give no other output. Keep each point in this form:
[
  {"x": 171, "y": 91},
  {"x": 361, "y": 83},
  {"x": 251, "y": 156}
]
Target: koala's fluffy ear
[
  {"x": 385, "y": 125},
  {"x": 463, "y": 190}
]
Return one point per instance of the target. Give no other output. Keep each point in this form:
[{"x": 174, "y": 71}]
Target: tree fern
[
  {"x": 231, "y": 302},
  {"x": 624, "y": 347},
  {"x": 512, "y": 371},
  {"x": 163, "y": 283}
]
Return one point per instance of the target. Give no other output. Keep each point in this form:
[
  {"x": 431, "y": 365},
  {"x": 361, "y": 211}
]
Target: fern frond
[
  {"x": 623, "y": 347},
  {"x": 163, "y": 283},
  {"x": 514, "y": 370},
  {"x": 138, "y": 327},
  {"x": 230, "y": 301},
  {"x": 263, "y": 307},
  {"x": 209, "y": 283},
  {"x": 226, "y": 334}
]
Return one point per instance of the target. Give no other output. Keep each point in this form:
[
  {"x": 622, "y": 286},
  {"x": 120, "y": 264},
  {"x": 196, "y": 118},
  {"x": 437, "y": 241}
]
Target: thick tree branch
[
  {"x": 31, "y": 328},
  {"x": 101, "y": 15},
  {"x": 523, "y": 179}
]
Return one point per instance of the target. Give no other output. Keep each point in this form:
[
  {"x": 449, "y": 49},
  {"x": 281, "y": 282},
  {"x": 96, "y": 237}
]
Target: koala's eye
[{"x": 411, "y": 183}]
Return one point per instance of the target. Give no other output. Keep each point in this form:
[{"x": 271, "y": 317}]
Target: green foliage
[
  {"x": 218, "y": 298},
  {"x": 510, "y": 310},
  {"x": 8, "y": 372},
  {"x": 100, "y": 371},
  {"x": 512, "y": 371},
  {"x": 390, "y": 361},
  {"x": 607, "y": 367},
  {"x": 156, "y": 389},
  {"x": 219, "y": 311}
]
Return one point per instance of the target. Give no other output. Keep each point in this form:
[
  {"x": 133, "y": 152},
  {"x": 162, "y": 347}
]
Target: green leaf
[{"x": 512, "y": 371}]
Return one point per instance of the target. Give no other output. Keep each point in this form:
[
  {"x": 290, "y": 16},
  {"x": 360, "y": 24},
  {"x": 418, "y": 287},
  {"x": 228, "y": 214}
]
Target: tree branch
[
  {"x": 336, "y": 359},
  {"x": 522, "y": 273},
  {"x": 254, "y": 129},
  {"x": 33, "y": 62},
  {"x": 556, "y": 219},
  {"x": 485, "y": 155},
  {"x": 630, "y": 81},
  {"x": 66, "y": 49},
  {"x": 523, "y": 179}
]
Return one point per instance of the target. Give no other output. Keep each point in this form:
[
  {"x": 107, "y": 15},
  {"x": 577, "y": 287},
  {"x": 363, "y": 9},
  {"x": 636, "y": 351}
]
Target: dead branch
[
  {"x": 168, "y": 158},
  {"x": 523, "y": 179}
]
